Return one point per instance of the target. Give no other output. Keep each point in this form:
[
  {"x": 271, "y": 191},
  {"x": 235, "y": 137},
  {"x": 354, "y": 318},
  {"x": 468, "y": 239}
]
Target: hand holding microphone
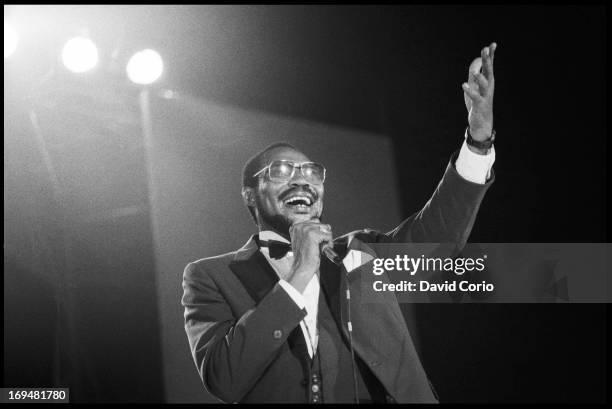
[{"x": 309, "y": 240}]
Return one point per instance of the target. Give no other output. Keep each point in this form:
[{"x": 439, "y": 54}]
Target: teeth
[{"x": 293, "y": 199}]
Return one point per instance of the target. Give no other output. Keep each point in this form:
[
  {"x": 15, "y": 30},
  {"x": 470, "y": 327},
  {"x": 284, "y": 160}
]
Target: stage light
[
  {"x": 80, "y": 54},
  {"x": 145, "y": 67},
  {"x": 10, "y": 40}
]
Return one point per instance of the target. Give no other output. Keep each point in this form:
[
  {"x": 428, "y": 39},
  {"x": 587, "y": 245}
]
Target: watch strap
[{"x": 486, "y": 144}]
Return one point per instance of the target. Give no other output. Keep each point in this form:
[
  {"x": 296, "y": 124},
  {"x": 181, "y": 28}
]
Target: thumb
[{"x": 474, "y": 69}]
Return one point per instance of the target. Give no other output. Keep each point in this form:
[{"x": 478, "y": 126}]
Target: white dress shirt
[
  {"x": 471, "y": 166},
  {"x": 474, "y": 167}
]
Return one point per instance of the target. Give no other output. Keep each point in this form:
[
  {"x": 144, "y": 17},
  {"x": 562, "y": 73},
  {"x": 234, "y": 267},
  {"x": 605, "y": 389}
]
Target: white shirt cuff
[
  {"x": 295, "y": 295},
  {"x": 474, "y": 167}
]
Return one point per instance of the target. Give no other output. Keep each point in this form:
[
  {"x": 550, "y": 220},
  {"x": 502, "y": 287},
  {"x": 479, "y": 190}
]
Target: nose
[
  {"x": 299, "y": 183},
  {"x": 298, "y": 179}
]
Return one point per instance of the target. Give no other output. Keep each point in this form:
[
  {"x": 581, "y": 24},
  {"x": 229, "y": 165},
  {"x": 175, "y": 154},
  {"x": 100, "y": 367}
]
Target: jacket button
[
  {"x": 315, "y": 388},
  {"x": 278, "y": 334}
]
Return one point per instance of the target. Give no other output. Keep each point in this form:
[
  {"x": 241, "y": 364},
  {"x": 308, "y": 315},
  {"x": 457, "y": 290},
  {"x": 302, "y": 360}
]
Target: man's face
[{"x": 280, "y": 204}]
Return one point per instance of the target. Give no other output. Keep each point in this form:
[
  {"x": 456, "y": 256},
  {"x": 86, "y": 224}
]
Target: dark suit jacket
[{"x": 238, "y": 318}]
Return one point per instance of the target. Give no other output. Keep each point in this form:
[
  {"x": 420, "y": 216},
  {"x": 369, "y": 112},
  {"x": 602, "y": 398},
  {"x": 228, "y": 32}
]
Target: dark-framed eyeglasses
[{"x": 284, "y": 170}]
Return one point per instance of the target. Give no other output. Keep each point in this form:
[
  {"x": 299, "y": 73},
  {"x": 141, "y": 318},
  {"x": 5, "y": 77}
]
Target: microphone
[{"x": 328, "y": 250}]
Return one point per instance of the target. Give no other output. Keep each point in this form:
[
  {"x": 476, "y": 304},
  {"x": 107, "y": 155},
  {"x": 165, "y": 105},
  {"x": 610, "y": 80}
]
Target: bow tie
[{"x": 277, "y": 249}]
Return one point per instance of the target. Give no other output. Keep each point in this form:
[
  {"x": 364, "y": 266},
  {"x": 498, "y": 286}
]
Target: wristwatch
[{"x": 486, "y": 144}]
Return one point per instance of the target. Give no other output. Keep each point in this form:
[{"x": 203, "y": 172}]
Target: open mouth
[{"x": 299, "y": 202}]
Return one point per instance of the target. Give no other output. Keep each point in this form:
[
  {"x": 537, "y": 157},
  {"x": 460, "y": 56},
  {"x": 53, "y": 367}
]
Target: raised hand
[{"x": 478, "y": 94}]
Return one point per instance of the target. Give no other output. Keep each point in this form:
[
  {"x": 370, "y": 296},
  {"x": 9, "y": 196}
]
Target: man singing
[{"x": 270, "y": 321}]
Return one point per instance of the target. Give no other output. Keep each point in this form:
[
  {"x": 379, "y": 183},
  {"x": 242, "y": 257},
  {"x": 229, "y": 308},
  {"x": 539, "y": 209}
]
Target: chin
[
  {"x": 297, "y": 218},
  {"x": 282, "y": 221}
]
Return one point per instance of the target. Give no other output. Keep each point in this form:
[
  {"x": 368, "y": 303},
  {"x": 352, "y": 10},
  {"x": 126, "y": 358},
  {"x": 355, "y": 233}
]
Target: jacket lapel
[
  {"x": 329, "y": 298},
  {"x": 253, "y": 270},
  {"x": 330, "y": 276}
]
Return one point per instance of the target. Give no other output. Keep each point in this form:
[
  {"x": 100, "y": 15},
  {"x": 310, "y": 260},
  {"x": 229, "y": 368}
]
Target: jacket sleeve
[
  {"x": 448, "y": 216},
  {"x": 231, "y": 352}
]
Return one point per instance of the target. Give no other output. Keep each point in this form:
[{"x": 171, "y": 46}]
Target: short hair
[{"x": 255, "y": 163}]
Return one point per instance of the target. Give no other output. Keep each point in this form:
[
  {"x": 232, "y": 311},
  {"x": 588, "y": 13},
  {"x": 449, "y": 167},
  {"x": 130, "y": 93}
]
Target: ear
[{"x": 248, "y": 196}]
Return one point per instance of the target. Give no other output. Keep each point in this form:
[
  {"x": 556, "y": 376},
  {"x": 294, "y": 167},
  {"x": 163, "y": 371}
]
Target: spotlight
[
  {"x": 10, "y": 40},
  {"x": 145, "y": 67},
  {"x": 80, "y": 54}
]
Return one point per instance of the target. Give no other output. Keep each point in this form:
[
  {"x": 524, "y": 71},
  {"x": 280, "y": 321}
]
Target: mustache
[{"x": 303, "y": 189}]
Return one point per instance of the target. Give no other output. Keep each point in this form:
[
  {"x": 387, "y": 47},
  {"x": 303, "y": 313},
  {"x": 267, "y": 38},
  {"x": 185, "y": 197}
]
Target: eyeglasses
[{"x": 284, "y": 170}]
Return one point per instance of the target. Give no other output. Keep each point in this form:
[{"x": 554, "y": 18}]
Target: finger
[
  {"x": 482, "y": 82},
  {"x": 313, "y": 221},
  {"x": 314, "y": 225},
  {"x": 487, "y": 64},
  {"x": 492, "y": 48},
  {"x": 471, "y": 93},
  {"x": 321, "y": 236},
  {"x": 327, "y": 238},
  {"x": 484, "y": 55},
  {"x": 325, "y": 228},
  {"x": 302, "y": 226}
]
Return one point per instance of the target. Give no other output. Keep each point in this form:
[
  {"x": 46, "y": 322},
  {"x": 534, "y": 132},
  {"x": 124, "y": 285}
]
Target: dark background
[{"x": 396, "y": 71}]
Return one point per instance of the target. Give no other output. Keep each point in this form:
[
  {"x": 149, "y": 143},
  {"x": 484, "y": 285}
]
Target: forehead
[{"x": 285, "y": 153}]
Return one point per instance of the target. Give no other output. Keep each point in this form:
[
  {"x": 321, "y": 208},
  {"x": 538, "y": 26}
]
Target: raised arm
[{"x": 450, "y": 213}]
